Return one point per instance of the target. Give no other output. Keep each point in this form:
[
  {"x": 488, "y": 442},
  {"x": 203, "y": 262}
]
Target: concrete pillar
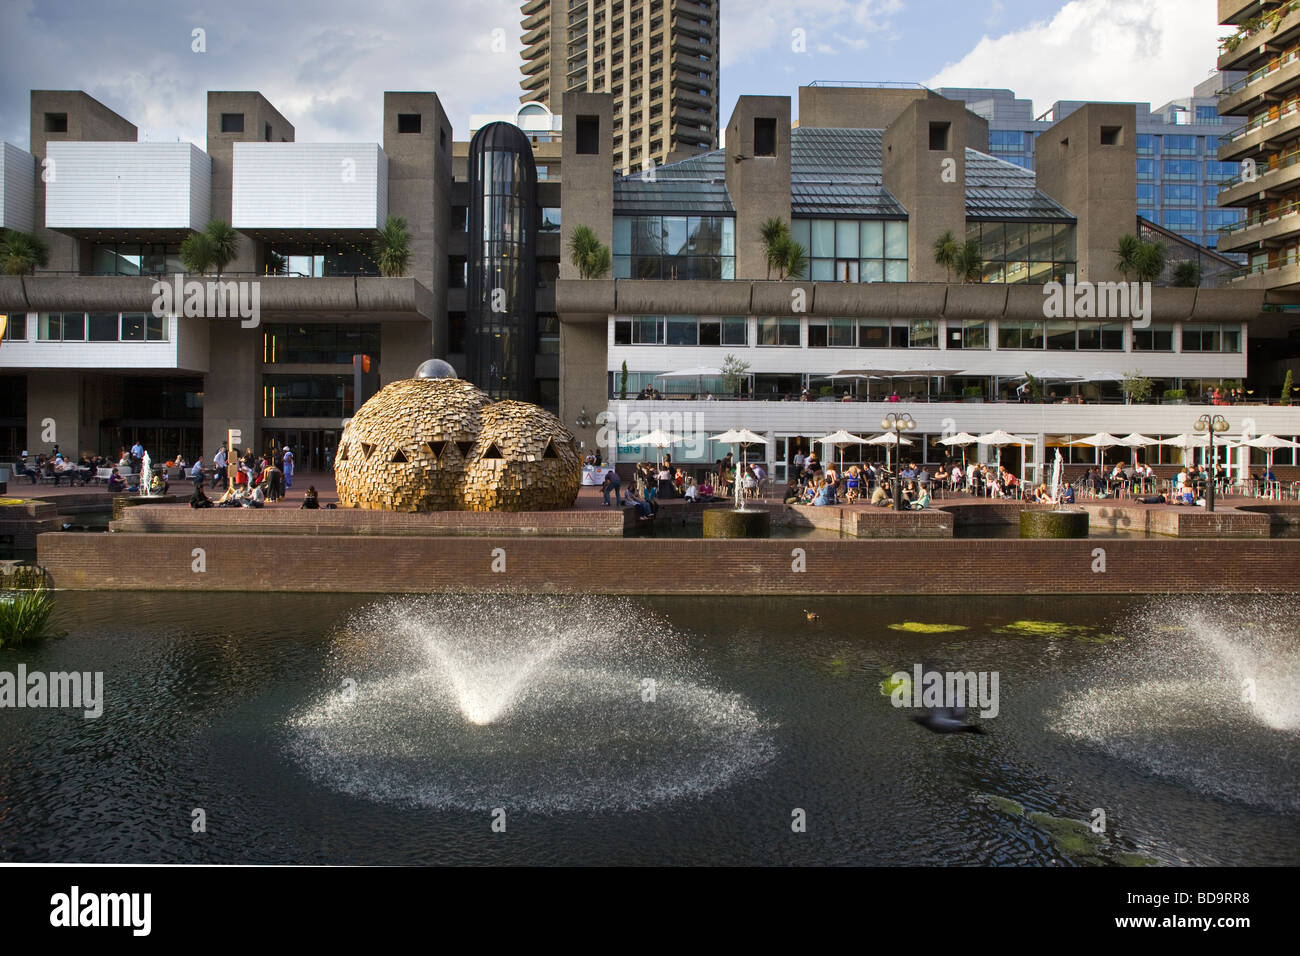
[
  {"x": 758, "y": 177},
  {"x": 54, "y": 412},
  {"x": 583, "y": 347},
  {"x": 232, "y": 396}
]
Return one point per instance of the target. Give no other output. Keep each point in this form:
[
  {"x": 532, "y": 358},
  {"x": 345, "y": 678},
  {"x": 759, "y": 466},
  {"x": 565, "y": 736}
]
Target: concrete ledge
[
  {"x": 979, "y": 301},
  {"x": 880, "y": 299},
  {"x": 776, "y": 298},
  {"x": 590, "y": 297},
  {"x": 1228, "y": 305},
  {"x": 709, "y": 297},
  {"x": 154, "y": 519},
  {"x": 1171, "y": 305},
  {"x": 546, "y": 565}
]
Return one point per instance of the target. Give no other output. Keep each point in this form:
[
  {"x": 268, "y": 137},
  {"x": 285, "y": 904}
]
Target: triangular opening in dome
[
  {"x": 493, "y": 451},
  {"x": 465, "y": 448},
  {"x": 398, "y": 456},
  {"x": 550, "y": 450},
  {"x": 343, "y": 452},
  {"x": 366, "y": 449},
  {"x": 435, "y": 448}
]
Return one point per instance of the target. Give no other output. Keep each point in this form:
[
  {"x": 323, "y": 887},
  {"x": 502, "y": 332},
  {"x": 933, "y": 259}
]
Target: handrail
[
  {"x": 1259, "y": 122},
  {"x": 1286, "y": 59},
  {"x": 1260, "y": 217},
  {"x": 1290, "y": 259},
  {"x": 1288, "y": 159}
]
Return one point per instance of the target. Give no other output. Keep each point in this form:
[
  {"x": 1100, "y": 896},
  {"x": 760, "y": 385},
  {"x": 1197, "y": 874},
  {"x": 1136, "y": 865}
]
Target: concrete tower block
[
  {"x": 587, "y": 159},
  {"x": 1088, "y": 163},
  {"x": 758, "y": 174},
  {"x": 925, "y": 168}
]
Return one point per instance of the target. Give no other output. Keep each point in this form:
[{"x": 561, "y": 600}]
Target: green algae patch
[
  {"x": 1133, "y": 859},
  {"x": 1001, "y": 804},
  {"x": 836, "y": 667},
  {"x": 1074, "y": 838},
  {"x": 920, "y": 627},
  {"x": 1037, "y": 628},
  {"x": 891, "y": 684}
]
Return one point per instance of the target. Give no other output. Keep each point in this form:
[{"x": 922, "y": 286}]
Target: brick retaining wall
[{"x": 666, "y": 566}]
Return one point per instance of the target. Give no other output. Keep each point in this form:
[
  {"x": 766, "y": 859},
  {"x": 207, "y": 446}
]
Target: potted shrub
[
  {"x": 972, "y": 394},
  {"x": 1174, "y": 396}
]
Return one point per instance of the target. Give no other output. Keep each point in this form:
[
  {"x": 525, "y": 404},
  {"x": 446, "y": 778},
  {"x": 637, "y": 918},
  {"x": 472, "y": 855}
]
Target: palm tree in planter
[
  {"x": 772, "y": 231},
  {"x": 22, "y": 252},
  {"x": 196, "y": 253},
  {"x": 947, "y": 252},
  {"x": 790, "y": 258},
  {"x": 1127, "y": 254},
  {"x": 969, "y": 262},
  {"x": 588, "y": 254},
  {"x": 392, "y": 248},
  {"x": 1150, "y": 262},
  {"x": 223, "y": 243},
  {"x": 1187, "y": 274}
]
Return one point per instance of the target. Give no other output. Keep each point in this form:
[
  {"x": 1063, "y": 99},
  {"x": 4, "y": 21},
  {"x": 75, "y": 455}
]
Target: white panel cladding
[
  {"x": 17, "y": 188},
  {"x": 127, "y": 186},
  {"x": 309, "y": 186},
  {"x": 186, "y": 348}
]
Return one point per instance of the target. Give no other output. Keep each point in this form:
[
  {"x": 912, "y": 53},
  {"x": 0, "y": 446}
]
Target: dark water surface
[{"x": 353, "y": 729}]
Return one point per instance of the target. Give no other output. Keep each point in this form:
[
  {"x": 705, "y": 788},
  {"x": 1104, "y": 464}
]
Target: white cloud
[
  {"x": 1126, "y": 50},
  {"x": 755, "y": 28}
]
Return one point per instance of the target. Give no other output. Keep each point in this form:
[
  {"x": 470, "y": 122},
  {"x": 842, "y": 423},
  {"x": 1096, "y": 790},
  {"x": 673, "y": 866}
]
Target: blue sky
[{"x": 325, "y": 64}]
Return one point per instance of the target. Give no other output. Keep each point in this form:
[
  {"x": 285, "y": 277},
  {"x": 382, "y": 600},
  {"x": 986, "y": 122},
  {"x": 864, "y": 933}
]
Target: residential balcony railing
[
  {"x": 1283, "y": 162},
  {"x": 1260, "y": 218},
  {"x": 1260, "y": 268},
  {"x": 1250, "y": 79},
  {"x": 1259, "y": 122}
]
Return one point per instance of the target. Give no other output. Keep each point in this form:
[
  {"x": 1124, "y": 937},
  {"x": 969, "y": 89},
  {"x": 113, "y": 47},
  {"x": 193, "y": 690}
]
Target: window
[
  {"x": 307, "y": 396},
  {"x": 103, "y": 327},
  {"x": 56, "y": 122},
  {"x": 939, "y": 136},
  {"x": 1182, "y": 220},
  {"x": 408, "y": 122},
  {"x": 764, "y": 136},
  {"x": 1147, "y": 145},
  {"x": 1218, "y": 171},
  {"x": 318, "y": 343},
  {"x": 1154, "y": 338},
  {"x": 778, "y": 331},
  {"x": 729, "y": 330},
  {"x": 1208, "y": 115},
  {"x": 1014, "y": 334},
  {"x": 1180, "y": 195},
  {"x": 1006, "y": 141},
  {"x": 550, "y": 219},
  {"x": 1218, "y": 218},
  {"x": 1182, "y": 145},
  {"x": 588, "y": 135},
  {"x": 831, "y": 333},
  {"x": 852, "y": 250},
  {"x": 16, "y": 327},
  {"x": 1024, "y": 252},
  {"x": 1146, "y": 194},
  {"x": 1146, "y": 169},
  {"x": 232, "y": 122},
  {"x": 1211, "y": 337},
  {"x": 1180, "y": 169},
  {"x": 968, "y": 334},
  {"x": 674, "y": 247},
  {"x": 267, "y": 133},
  {"x": 1112, "y": 136}
]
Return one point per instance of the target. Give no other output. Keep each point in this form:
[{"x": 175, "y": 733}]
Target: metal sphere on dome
[{"x": 435, "y": 368}]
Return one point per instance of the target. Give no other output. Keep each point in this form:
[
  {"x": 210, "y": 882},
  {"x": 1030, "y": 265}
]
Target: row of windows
[
  {"x": 1149, "y": 195},
  {"x": 674, "y": 247},
  {"x": 1016, "y": 252},
  {"x": 1185, "y": 170},
  {"x": 326, "y": 343},
  {"x": 91, "y": 327},
  {"x": 1149, "y": 144},
  {"x": 1052, "y": 335}
]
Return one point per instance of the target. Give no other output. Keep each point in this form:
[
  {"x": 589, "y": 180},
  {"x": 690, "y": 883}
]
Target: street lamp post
[
  {"x": 898, "y": 424},
  {"x": 1210, "y": 424}
]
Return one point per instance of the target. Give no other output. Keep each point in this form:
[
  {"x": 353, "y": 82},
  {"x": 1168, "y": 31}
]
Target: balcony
[
  {"x": 533, "y": 67},
  {"x": 692, "y": 99},
  {"x": 333, "y": 187},
  {"x": 692, "y": 117},
  {"x": 1277, "y": 77},
  {"x": 540, "y": 32},
  {"x": 691, "y": 64},
  {"x": 1279, "y": 275},
  {"x": 118, "y": 188},
  {"x": 1264, "y": 226},
  {"x": 543, "y": 6},
  {"x": 692, "y": 136},
  {"x": 1261, "y": 43},
  {"x": 536, "y": 81},
  {"x": 1279, "y": 177},
  {"x": 1273, "y": 126},
  {"x": 17, "y": 188},
  {"x": 682, "y": 42}
]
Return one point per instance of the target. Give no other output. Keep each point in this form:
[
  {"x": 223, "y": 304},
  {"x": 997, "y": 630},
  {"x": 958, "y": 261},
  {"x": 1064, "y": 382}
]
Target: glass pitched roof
[{"x": 833, "y": 173}]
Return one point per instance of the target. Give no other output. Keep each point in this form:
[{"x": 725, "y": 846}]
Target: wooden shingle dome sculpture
[
  {"x": 524, "y": 460},
  {"x": 440, "y": 444}
]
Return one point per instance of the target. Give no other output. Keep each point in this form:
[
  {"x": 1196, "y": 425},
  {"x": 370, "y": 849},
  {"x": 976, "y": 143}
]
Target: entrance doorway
[{"x": 313, "y": 448}]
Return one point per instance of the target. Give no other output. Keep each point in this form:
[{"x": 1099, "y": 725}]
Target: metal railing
[
  {"x": 1290, "y": 259},
  {"x": 1260, "y": 218},
  {"x": 1285, "y": 161},
  {"x": 1250, "y": 79},
  {"x": 1259, "y": 122}
]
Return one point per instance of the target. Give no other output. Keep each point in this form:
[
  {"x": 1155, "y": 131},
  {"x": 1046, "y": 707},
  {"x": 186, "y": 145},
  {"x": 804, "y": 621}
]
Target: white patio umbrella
[
  {"x": 1099, "y": 441},
  {"x": 963, "y": 439},
  {"x": 998, "y": 438},
  {"x": 840, "y": 439},
  {"x": 855, "y": 376},
  {"x": 1136, "y": 441},
  {"x": 927, "y": 371},
  {"x": 742, "y": 437},
  {"x": 888, "y": 439},
  {"x": 656, "y": 439},
  {"x": 1271, "y": 443}
]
